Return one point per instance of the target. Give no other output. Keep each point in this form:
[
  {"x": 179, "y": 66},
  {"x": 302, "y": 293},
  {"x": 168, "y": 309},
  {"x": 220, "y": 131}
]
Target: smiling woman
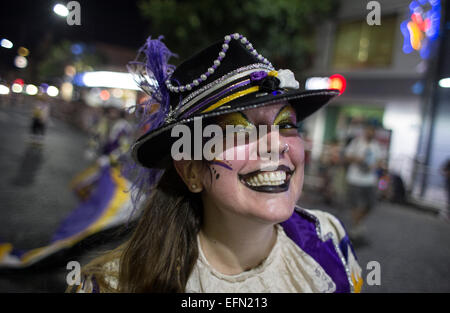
[{"x": 225, "y": 224}]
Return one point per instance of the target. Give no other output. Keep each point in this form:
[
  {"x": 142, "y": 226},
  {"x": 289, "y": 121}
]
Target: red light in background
[
  {"x": 19, "y": 81},
  {"x": 338, "y": 82},
  {"x": 104, "y": 95}
]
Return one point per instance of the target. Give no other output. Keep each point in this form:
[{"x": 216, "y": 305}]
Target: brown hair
[{"x": 162, "y": 250}]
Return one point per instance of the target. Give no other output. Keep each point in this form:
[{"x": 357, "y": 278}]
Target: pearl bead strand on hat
[{"x": 217, "y": 62}]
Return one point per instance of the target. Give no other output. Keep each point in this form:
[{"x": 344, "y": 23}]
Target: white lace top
[{"x": 286, "y": 269}]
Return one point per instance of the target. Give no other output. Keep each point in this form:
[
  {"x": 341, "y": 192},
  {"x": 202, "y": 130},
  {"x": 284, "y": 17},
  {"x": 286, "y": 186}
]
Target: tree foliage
[
  {"x": 61, "y": 54},
  {"x": 281, "y": 30}
]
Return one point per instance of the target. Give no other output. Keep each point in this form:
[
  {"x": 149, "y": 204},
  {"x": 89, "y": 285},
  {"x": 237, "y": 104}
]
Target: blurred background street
[
  {"x": 67, "y": 104},
  {"x": 35, "y": 197}
]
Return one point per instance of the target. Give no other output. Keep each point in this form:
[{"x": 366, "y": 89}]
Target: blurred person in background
[
  {"x": 326, "y": 164},
  {"x": 98, "y": 132},
  {"x": 333, "y": 173},
  {"x": 109, "y": 142},
  {"x": 105, "y": 202},
  {"x": 39, "y": 119},
  {"x": 119, "y": 132},
  {"x": 354, "y": 128},
  {"x": 109, "y": 133},
  {"x": 308, "y": 147},
  {"x": 363, "y": 156},
  {"x": 445, "y": 214}
]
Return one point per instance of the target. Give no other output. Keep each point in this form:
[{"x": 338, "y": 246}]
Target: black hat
[{"x": 226, "y": 77}]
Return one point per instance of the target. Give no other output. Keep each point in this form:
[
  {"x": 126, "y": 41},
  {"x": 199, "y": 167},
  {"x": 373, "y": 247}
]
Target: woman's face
[{"x": 242, "y": 185}]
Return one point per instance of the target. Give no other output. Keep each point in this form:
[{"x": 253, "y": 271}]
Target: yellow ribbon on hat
[{"x": 231, "y": 97}]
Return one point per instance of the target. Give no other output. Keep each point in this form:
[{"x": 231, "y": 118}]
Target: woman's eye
[
  {"x": 243, "y": 128},
  {"x": 287, "y": 126},
  {"x": 239, "y": 128}
]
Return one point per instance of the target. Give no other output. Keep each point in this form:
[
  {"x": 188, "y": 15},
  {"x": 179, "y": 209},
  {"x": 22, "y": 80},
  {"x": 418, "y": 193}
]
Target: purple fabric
[
  {"x": 255, "y": 76},
  {"x": 89, "y": 211},
  {"x": 343, "y": 245},
  {"x": 301, "y": 229},
  {"x": 17, "y": 252},
  {"x": 110, "y": 147}
]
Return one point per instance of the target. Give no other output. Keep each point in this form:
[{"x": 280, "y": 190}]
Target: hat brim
[{"x": 152, "y": 149}]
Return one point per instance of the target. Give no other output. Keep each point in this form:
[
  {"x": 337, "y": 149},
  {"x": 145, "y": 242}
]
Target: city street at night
[
  {"x": 213, "y": 150},
  {"x": 35, "y": 196}
]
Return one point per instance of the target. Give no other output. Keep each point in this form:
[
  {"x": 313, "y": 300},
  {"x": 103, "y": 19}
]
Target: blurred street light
[
  {"x": 19, "y": 81},
  {"x": 104, "y": 95},
  {"x": 61, "y": 10},
  {"x": 444, "y": 82},
  {"x": 16, "y": 88},
  {"x": 20, "y": 61},
  {"x": 77, "y": 49},
  {"x": 108, "y": 80},
  {"x": 22, "y": 51},
  {"x": 43, "y": 87},
  {"x": 4, "y": 90},
  {"x": 31, "y": 90},
  {"x": 52, "y": 91},
  {"x": 335, "y": 81},
  {"x": 314, "y": 83},
  {"x": 5, "y": 43},
  {"x": 338, "y": 82}
]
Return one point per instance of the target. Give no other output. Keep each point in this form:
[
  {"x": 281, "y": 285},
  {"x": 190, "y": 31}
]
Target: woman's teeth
[{"x": 267, "y": 179}]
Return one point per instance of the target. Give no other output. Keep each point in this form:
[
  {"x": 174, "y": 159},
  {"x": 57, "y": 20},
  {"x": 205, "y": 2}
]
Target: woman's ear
[{"x": 190, "y": 173}]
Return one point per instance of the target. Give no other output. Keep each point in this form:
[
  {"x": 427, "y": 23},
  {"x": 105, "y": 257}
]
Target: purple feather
[{"x": 150, "y": 70}]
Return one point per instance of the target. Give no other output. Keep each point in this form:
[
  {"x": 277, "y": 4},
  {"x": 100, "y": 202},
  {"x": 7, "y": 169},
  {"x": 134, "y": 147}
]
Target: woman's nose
[{"x": 270, "y": 144}]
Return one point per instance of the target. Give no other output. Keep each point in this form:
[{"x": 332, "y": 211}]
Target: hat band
[
  {"x": 207, "y": 100},
  {"x": 231, "y": 98},
  {"x": 199, "y": 94}
]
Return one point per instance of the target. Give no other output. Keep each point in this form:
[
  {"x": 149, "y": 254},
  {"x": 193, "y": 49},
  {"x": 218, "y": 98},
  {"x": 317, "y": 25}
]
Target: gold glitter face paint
[
  {"x": 286, "y": 120},
  {"x": 234, "y": 119},
  {"x": 236, "y": 124}
]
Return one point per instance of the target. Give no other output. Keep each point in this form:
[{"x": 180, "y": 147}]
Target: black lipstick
[{"x": 268, "y": 188}]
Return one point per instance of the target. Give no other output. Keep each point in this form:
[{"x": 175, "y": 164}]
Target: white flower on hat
[{"x": 287, "y": 79}]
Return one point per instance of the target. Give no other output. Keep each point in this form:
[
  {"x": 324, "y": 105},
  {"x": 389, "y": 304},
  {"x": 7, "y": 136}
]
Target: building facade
[{"x": 385, "y": 83}]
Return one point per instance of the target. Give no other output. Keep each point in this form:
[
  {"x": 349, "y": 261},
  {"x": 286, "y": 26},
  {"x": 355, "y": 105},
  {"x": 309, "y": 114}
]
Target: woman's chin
[{"x": 272, "y": 211}]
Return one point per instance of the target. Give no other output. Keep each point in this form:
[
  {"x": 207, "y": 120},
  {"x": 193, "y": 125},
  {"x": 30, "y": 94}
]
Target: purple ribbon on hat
[{"x": 255, "y": 76}]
